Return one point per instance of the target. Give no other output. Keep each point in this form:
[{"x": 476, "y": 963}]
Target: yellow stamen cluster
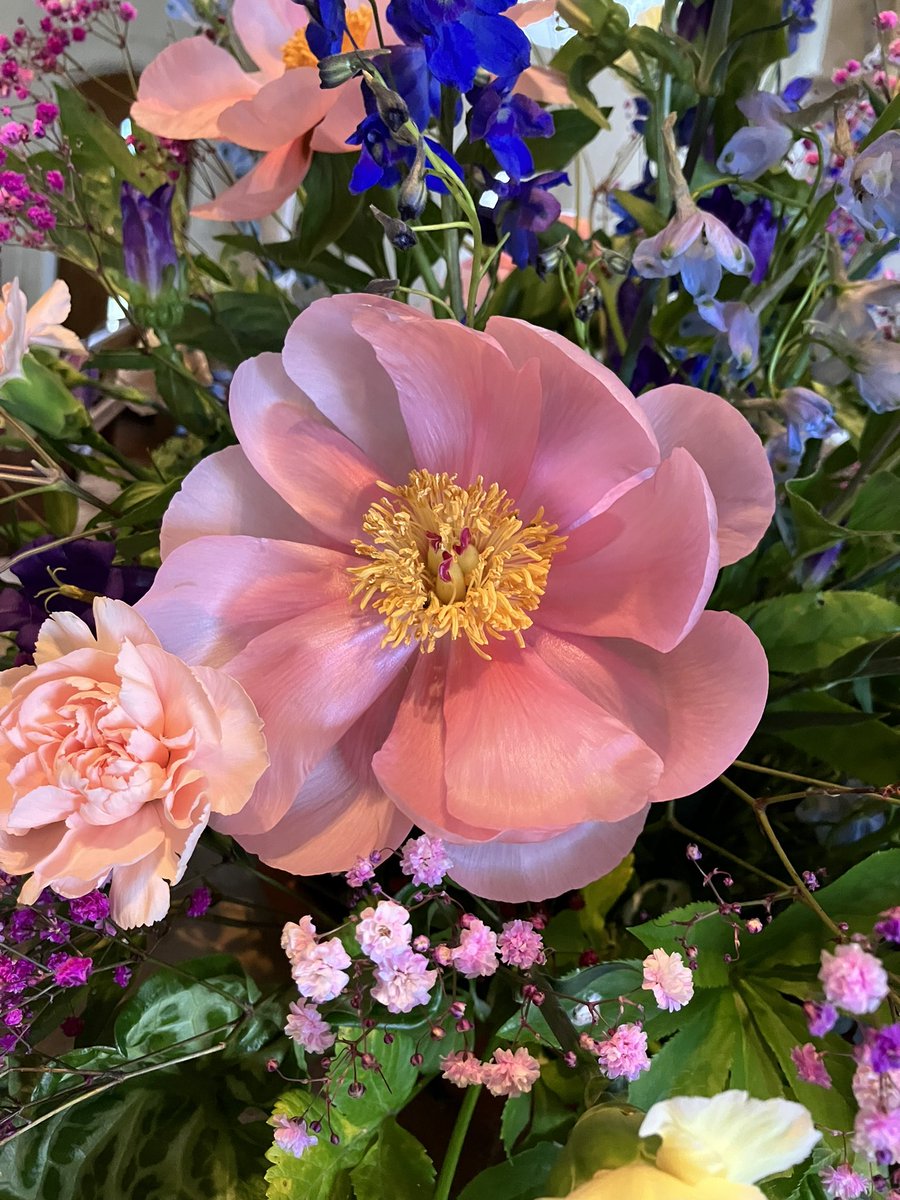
[
  {"x": 296, "y": 52},
  {"x": 493, "y": 575}
]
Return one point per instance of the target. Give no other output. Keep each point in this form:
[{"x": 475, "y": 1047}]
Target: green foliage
[
  {"x": 395, "y": 1167},
  {"x": 522, "y": 1177},
  {"x": 805, "y": 632},
  {"x": 603, "y": 1138},
  {"x": 43, "y": 401}
]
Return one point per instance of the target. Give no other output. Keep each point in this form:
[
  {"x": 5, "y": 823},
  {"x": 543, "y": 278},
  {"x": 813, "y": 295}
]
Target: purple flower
[
  {"x": 426, "y": 860},
  {"x": 753, "y": 223},
  {"x": 807, "y": 417},
  {"x": 89, "y": 909},
  {"x": 69, "y": 970},
  {"x": 763, "y": 143},
  {"x": 503, "y": 120},
  {"x": 292, "y": 1135},
  {"x": 15, "y": 975},
  {"x": 740, "y": 326},
  {"x": 884, "y": 1049},
  {"x": 820, "y": 1018},
  {"x": 798, "y": 13},
  {"x": 148, "y": 245},
  {"x": 21, "y": 926},
  {"x": 869, "y": 186},
  {"x": 888, "y": 926},
  {"x": 698, "y": 247},
  {"x": 693, "y": 19},
  {"x": 122, "y": 976},
  {"x": 843, "y": 1183},
  {"x": 326, "y": 26},
  {"x": 810, "y": 1066},
  {"x": 520, "y": 210},
  {"x": 198, "y": 902}
]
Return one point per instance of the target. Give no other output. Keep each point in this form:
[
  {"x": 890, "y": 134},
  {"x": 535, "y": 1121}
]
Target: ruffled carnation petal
[{"x": 731, "y": 455}]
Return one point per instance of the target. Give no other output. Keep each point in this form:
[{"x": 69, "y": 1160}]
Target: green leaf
[
  {"x": 520, "y": 1178},
  {"x": 695, "y": 1061},
  {"x": 860, "y": 745},
  {"x": 808, "y": 631},
  {"x": 877, "y": 506},
  {"x": 145, "y": 501},
  {"x": 395, "y": 1167},
  {"x": 516, "y": 1115},
  {"x": 573, "y": 131},
  {"x": 329, "y": 208},
  {"x": 711, "y": 934},
  {"x": 602, "y": 1139},
  {"x": 812, "y": 531},
  {"x": 646, "y": 214},
  {"x": 888, "y": 120},
  {"x": 599, "y": 897},
  {"x": 60, "y": 510},
  {"x": 672, "y": 55},
  {"x": 43, "y": 401},
  {"x": 96, "y": 145}
]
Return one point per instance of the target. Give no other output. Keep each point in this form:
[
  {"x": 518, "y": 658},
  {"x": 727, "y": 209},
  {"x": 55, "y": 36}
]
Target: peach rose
[{"x": 113, "y": 755}]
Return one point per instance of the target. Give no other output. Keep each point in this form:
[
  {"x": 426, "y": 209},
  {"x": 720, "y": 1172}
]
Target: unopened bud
[
  {"x": 457, "y": 1009},
  {"x": 388, "y": 1039},
  {"x": 391, "y": 106},
  {"x": 588, "y": 304},
  {"x": 382, "y": 287},
  {"x": 337, "y": 69},
  {"x": 463, "y": 1025},
  {"x": 548, "y": 260},
  {"x": 416, "y": 1059},
  {"x": 368, "y": 1061},
  {"x": 437, "y": 1033},
  {"x": 335, "y": 1140},
  {"x": 421, "y": 944},
  {"x": 413, "y": 194},
  {"x": 693, "y": 852},
  {"x": 271, "y": 1065},
  {"x": 569, "y": 1059},
  {"x": 315, "y": 1127},
  {"x": 356, "y": 1089},
  {"x": 398, "y": 232},
  {"x": 754, "y": 925}
]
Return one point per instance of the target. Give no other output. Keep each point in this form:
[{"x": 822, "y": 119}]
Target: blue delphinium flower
[
  {"x": 739, "y": 326},
  {"x": 698, "y": 247},
  {"x": 869, "y": 186},
  {"x": 754, "y": 223},
  {"x": 694, "y": 19},
  {"x": 326, "y": 27},
  {"x": 763, "y": 143},
  {"x": 522, "y": 209},
  {"x": 148, "y": 245},
  {"x": 799, "y": 15},
  {"x": 459, "y": 36},
  {"x": 502, "y": 119},
  {"x": 807, "y": 417}
]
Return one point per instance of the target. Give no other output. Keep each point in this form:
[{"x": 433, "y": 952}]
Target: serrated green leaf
[
  {"x": 808, "y": 631},
  {"x": 395, "y": 1167},
  {"x": 520, "y": 1178},
  {"x": 710, "y": 933},
  {"x": 695, "y": 1060}
]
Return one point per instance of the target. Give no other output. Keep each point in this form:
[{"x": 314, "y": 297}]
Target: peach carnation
[
  {"x": 40, "y": 325},
  {"x": 463, "y": 577},
  {"x": 114, "y": 754}
]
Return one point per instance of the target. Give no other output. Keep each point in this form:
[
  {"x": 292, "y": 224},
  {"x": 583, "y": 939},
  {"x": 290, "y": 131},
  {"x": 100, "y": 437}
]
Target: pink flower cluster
[
  {"x": 810, "y": 1065},
  {"x": 477, "y": 951},
  {"x": 426, "y": 860},
  {"x": 26, "y": 215},
  {"x": 877, "y": 1092},
  {"x": 317, "y": 967},
  {"x": 511, "y": 1073},
  {"x": 623, "y": 1052},
  {"x": 853, "y": 979},
  {"x": 843, "y": 1183},
  {"x": 669, "y": 979}
]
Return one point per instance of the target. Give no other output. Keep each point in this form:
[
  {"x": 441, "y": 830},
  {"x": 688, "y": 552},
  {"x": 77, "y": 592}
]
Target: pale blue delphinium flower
[
  {"x": 869, "y": 186},
  {"x": 695, "y": 245},
  {"x": 739, "y": 326},
  {"x": 853, "y": 346},
  {"x": 763, "y": 143}
]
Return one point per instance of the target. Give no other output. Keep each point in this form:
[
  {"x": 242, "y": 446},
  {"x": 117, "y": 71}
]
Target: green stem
[
  {"x": 457, "y": 1138},
  {"x": 448, "y": 209},
  {"x": 822, "y": 783}
]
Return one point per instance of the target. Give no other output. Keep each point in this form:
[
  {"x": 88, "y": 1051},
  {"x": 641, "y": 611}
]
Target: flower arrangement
[{"x": 453, "y": 751}]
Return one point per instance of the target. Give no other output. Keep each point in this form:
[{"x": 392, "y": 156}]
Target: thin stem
[
  {"x": 741, "y": 862},
  {"x": 448, "y": 207},
  {"x": 822, "y": 783},
  {"x": 766, "y": 825},
  {"x": 457, "y": 1138},
  {"x": 408, "y": 291}
]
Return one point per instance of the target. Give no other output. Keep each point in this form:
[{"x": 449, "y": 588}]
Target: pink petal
[
  {"x": 117, "y": 622},
  {"x": 594, "y": 440},
  {"x": 20, "y": 853},
  {"x": 467, "y": 409},
  {"x": 61, "y": 634},
  {"x": 264, "y": 28},
  {"x": 730, "y": 453},
  {"x": 138, "y": 895},
  {"x": 517, "y": 871},
  {"x": 185, "y": 89},
  {"x": 311, "y": 679},
  {"x": 341, "y": 812},
  {"x": 544, "y": 84},
  {"x": 264, "y": 189},
  {"x": 213, "y": 596},
  {"x": 224, "y": 495},
  {"x": 234, "y": 761},
  {"x": 320, "y": 474},
  {"x": 643, "y": 569},
  {"x": 528, "y": 12},
  {"x": 526, "y": 750},
  {"x": 52, "y": 309},
  {"x": 42, "y": 806},
  {"x": 331, "y": 134},
  {"x": 368, "y": 413},
  {"x": 281, "y": 111},
  {"x": 697, "y": 706}
]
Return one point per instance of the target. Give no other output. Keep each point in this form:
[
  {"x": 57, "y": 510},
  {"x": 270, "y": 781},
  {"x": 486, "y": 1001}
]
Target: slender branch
[
  {"x": 822, "y": 783},
  {"x": 457, "y": 1139}
]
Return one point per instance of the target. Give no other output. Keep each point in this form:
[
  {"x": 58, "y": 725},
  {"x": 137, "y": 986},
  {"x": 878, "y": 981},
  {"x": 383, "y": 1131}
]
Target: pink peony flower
[
  {"x": 383, "y": 929},
  {"x": 462, "y": 575},
  {"x": 114, "y": 755},
  {"x": 403, "y": 981},
  {"x": 40, "y": 325},
  {"x": 477, "y": 951},
  {"x": 853, "y": 979},
  {"x": 810, "y": 1065},
  {"x": 623, "y": 1053},
  {"x": 196, "y": 89},
  {"x": 462, "y": 1069},
  {"x": 520, "y": 944},
  {"x": 318, "y": 970},
  {"x": 292, "y": 1135},
  {"x": 426, "y": 860},
  {"x": 671, "y": 982},
  {"x": 512, "y": 1073},
  {"x": 306, "y": 1025}
]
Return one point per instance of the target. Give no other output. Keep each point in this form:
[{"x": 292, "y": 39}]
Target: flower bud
[
  {"x": 437, "y": 1033},
  {"x": 588, "y": 304},
  {"x": 398, "y": 232},
  {"x": 336, "y": 69},
  {"x": 413, "y": 194},
  {"x": 356, "y": 1089},
  {"x": 391, "y": 106},
  {"x": 416, "y": 1059}
]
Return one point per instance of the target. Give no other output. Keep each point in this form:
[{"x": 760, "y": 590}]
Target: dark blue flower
[
  {"x": 522, "y": 210},
  {"x": 503, "y": 119},
  {"x": 694, "y": 19},
  {"x": 148, "y": 246},
  {"x": 799, "y": 14},
  {"x": 459, "y": 36},
  {"x": 82, "y": 566},
  {"x": 796, "y": 90},
  {"x": 326, "y": 27}
]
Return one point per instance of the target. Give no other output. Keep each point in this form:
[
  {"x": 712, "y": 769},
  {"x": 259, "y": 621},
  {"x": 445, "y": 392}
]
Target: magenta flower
[
  {"x": 512, "y": 1073},
  {"x": 463, "y": 576},
  {"x": 810, "y": 1065},
  {"x": 888, "y": 926},
  {"x": 671, "y": 982},
  {"x": 853, "y": 979},
  {"x": 521, "y": 945},
  {"x": 623, "y": 1053},
  {"x": 69, "y": 970}
]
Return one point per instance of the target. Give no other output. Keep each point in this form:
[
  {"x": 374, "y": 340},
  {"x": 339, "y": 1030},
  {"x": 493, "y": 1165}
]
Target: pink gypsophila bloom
[
  {"x": 570, "y": 682},
  {"x": 877, "y": 1134},
  {"x": 671, "y": 982},
  {"x": 383, "y": 929},
  {"x": 462, "y": 1069},
  {"x": 403, "y": 981},
  {"x": 853, "y": 979},
  {"x": 623, "y": 1053},
  {"x": 511, "y": 1073},
  {"x": 115, "y": 754},
  {"x": 887, "y": 19},
  {"x": 297, "y": 937},
  {"x": 476, "y": 953},
  {"x": 843, "y": 1183},
  {"x": 319, "y": 970},
  {"x": 426, "y": 860},
  {"x": 196, "y": 89},
  {"x": 306, "y": 1025},
  {"x": 40, "y": 325},
  {"x": 292, "y": 1135},
  {"x": 521, "y": 945},
  {"x": 810, "y": 1065}
]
